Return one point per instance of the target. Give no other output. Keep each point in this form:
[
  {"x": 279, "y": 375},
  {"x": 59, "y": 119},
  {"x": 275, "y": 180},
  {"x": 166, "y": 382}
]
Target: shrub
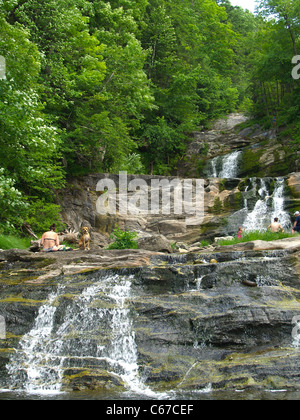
[
  {"x": 42, "y": 215},
  {"x": 123, "y": 239}
]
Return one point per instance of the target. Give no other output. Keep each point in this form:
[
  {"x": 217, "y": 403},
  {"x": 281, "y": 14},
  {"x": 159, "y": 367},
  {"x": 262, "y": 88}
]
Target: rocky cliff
[
  {"x": 223, "y": 210},
  {"x": 264, "y": 153}
]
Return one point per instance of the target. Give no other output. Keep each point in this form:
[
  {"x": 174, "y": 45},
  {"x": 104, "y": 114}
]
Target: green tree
[
  {"x": 13, "y": 206},
  {"x": 190, "y": 66},
  {"x": 29, "y": 143},
  {"x": 125, "y": 89},
  {"x": 273, "y": 87},
  {"x": 72, "y": 71},
  {"x": 286, "y": 11}
]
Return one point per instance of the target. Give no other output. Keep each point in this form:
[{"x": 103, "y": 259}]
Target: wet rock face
[{"x": 193, "y": 322}]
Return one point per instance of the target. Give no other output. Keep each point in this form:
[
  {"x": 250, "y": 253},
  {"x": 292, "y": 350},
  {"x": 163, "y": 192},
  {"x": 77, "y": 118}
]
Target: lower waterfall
[
  {"x": 36, "y": 365},
  {"x": 267, "y": 208},
  {"x": 96, "y": 328}
]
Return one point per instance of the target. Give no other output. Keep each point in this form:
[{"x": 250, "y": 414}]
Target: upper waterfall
[{"x": 225, "y": 166}]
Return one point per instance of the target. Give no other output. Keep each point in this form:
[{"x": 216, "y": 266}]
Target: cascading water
[
  {"x": 35, "y": 366},
  {"x": 267, "y": 208},
  {"x": 259, "y": 217},
  {"x": 278, "y": 205},
  {"x": 96, "y": 327},
  {"x": 230, "y": 165},
  {"x": 225, "y": 166}
]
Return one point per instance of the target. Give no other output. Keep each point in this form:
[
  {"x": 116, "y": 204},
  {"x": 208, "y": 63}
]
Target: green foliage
[
  {"x": 42, "y": 214},
  {"x": 123, "y": 239},
  {"x": 9, "y": 242},
  {"x": 161, "y": 142},
  {"x": 132, "y": 164},
  {"x": 29, "y": 143},
  {"x": 275, "y": 42},
  {"x": 13, "y": 206},
  {"x": 98, "y": 85},
  {"x": 205, "y": 243},
  {"x": 218, "y": 205}
]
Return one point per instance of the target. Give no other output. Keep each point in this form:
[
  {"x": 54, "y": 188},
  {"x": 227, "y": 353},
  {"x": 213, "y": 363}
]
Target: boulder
[
  {"x": 171, "y": 227},
  {"x": 157, "y": 243}
]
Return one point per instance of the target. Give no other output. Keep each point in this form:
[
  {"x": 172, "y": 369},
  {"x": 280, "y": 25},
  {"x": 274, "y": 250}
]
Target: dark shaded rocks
[{"x": 195, "y": 323}]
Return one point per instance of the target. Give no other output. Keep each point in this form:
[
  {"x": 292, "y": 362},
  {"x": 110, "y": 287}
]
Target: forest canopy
[{"x": 101, "y": 86}]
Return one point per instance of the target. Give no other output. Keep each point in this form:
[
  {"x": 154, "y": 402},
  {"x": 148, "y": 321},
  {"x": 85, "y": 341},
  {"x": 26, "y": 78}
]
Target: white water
[
  {"x": 35, "y": 359},
  {"x": 230, "y": 165},
  {"x": 267, "y": 208},
  {"x": 259, "y": 217},
  {"x": 225, "y": 166},
  {"x": 97, "y": 327},
  {"x": 278, "y": 205}
]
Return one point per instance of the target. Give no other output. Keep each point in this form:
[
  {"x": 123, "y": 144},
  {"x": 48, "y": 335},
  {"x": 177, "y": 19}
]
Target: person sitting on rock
[
  {"x": 296, "y": 227},
  {"x": 50, "y": 240},
  {"x": 275, "y": 227}
]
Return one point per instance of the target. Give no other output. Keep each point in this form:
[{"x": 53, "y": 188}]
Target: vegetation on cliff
[{"x": 119, "y": 85}]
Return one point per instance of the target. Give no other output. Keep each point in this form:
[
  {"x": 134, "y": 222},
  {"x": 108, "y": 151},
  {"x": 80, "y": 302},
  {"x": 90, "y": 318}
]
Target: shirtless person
[
  {"x": 50, "y": 241},
  {"x": 275, "y": 226}
]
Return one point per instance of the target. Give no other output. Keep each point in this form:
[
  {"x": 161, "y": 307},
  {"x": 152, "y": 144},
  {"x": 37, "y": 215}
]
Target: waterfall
[
  {"x": 230, "y": 165},
  {"x": 259, "y": 217},
  {"x": 96, "y": 326},
  {"x": 34, "y": 362},
  {"x": 267, "y": 208},
  {"x": 225, "y": 166},
  {"x": 278, "y": 205}
]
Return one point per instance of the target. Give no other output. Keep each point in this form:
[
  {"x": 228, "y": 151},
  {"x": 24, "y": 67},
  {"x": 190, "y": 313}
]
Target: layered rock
[
  {"x": 197, "y": 324},
  {"x": 223, "y": 210}
]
